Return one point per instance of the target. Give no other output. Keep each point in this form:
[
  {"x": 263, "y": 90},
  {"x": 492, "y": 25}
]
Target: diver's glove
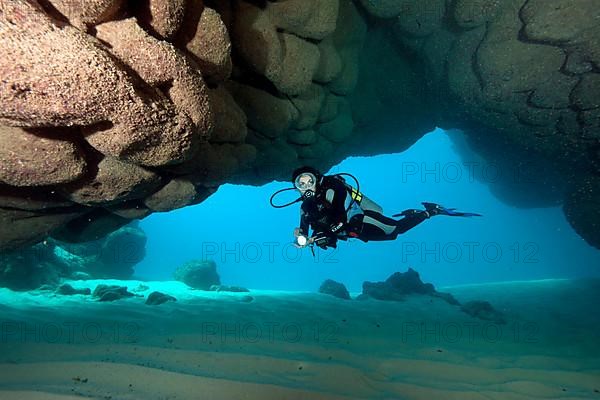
[{"x": 297, "y": 232}]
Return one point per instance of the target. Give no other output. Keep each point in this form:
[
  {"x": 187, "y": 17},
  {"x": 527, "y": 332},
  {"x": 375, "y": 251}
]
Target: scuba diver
[{"x": 336, "y": 210}]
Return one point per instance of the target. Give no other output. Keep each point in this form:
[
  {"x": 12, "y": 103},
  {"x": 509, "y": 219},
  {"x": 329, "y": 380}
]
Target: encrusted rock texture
[
  {"x": 113, "y": 109},
  {"x": 521, "y": 77}
]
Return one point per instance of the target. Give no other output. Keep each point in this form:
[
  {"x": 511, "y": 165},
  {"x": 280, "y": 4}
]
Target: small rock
[
  {"x": 111, "y": 292},
  {"x": 156, "y": 298},
  {"x": 198, "y": 274},
  {"x": 68, "y": 290},
  {"x": 247, "y": 299},
  {"x": 335, "y": 289},
  {"x": 225, "y": 288},
  {"x": 110, "y": 296},
  {"x": 483, "y": 310},
  {"x": 447, "y": 297}
]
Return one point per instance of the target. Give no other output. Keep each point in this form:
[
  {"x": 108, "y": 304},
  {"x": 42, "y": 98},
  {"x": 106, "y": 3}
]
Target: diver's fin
[
  {"x": 461, "y": 214},
  {"x": 407, "y": 213},
  {"x": 441, "y": 210}
]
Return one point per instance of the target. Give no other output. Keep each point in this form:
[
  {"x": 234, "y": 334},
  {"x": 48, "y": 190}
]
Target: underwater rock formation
[
  {"x": 483, "y": 310},
  {"x": 580, "y": 208},
  {"x": 335, "y": 289},
  {"x": 198, "y": 274},
  {"x": 113, "y": 256},
  {"x": 67, "y": 290},
  {"x": 398, "y": 285},
  {"x": 130, "y": 108},
  {"x": 120, "y": 252},
  {"x": 31, "y": 268},
  {"x": 111, "y": 292},
  {"x": 157, "y": 298},
  {"x": 246, "y": 299},
  {"x": 226, "y": 288}
]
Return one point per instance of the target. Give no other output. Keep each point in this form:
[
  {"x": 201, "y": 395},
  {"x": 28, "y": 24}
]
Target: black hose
[
  {"x": 353, "y": 200},
  {"x": 284, "y": 205}
]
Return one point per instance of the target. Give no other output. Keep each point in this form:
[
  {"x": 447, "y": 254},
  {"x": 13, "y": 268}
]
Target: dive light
[{"x": 302, "y": 240}]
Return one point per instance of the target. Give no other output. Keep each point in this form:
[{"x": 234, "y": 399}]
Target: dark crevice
[
  {"x": 449, "y": 22},
  {"x": 245, "y": 73},
  {"x": 165, "y": 88},
  {"x": 257, "y": 81},
  {"x": 564, "y": 68},
  {"x": 557, "y": 126},
  {"x": 529, "y": 123},
  {"x": 144, "y": 90},
  {"x": 522, "y": 36},
  {"x": 291, "y": 100},
  {"x": 141, "y": 11},
  {"x": 48, "y": 211},
  {"x": 474, "y": 64},
  {"x": 572, "y": 94},
  {"x": 97, "y": 127},
  {"x": 59, "y": 18},
  {"x": 530, "y": 103},
  {"x": 261, "y": 135},
  {"x": 20, "y": 90},
  {"x": 67, "y": 133},
  {"x": 310, "y": 40},
  {"x": 306, "y": 39},
  {"x": 104, "y": 43},
  {"x": 46, "y": 194},
  {"x": 582, "y": 124}
]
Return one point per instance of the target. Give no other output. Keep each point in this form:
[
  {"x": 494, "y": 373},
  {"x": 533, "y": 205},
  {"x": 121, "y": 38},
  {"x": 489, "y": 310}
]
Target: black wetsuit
[{"x": 324, "y": 211}]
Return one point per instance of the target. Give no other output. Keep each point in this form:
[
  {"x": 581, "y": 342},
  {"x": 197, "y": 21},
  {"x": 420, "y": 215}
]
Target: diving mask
[{"x": 306, "y": 181}]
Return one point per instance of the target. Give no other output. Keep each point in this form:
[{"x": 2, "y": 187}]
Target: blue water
[{"x": 251, "y": 242}]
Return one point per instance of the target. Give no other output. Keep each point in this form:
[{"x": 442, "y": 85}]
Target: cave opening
[{"x": 251, "y": 243}]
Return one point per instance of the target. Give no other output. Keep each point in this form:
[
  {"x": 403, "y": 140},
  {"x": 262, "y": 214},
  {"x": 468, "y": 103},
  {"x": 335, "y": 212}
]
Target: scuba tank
[{"x": 356, "y": 197}]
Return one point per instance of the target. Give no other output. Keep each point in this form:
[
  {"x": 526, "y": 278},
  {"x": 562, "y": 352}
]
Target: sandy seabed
[{"x": 291, "y": 345}]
